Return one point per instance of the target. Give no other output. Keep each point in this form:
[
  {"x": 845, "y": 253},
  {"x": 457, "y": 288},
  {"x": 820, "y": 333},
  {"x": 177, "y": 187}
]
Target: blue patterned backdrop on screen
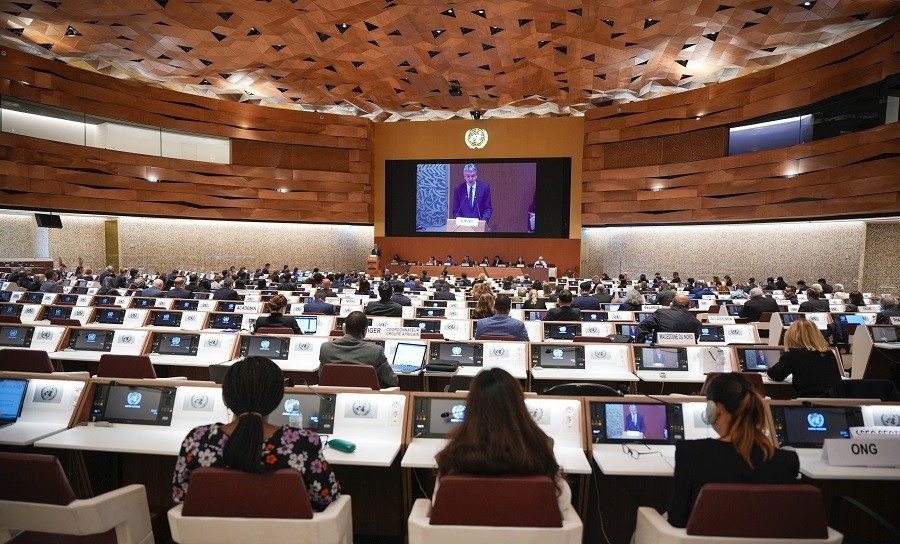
[
  {"x": 615, "y": 419},
  {"x": 432, "y": 181}
]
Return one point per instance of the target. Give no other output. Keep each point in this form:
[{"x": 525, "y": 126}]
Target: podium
[
  {"x": 373, "y": 265},
  {"x": 466, "y": 224}
]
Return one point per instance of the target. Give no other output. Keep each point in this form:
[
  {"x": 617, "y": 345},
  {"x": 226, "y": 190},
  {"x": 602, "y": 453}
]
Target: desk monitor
[
  {"x": 5, "y": 296},
  {"x": 187, "y": 305},
  {"x": 11, "y": 309},
  {"x": 733, "y": 310},
  {"x": 139, "y": 405},
  {"x": 169, "y": 343},
  {"x": 535, "y": 315},
  {"x": 435, "y": 304},
  {"x": 560, "y": 330},
  {"x": 430, "y": 313},
  {"x": 645, "y": 423},
  {"x": 693, "y": 303},
  {"x": 143, "y": 302},
  {"x": 849, "y": 319},
  {"x": 409, "y": 357},
  {"x": 557, "y": 356},
  {"x": 758, "y": 359},
  {"x": 58, "y": 312},
  {"x": 165, "y": 318},
  {"x": 471, "y": 304},
  {"x": 105, "y": 300},
  {"x": 339, "y": 322},
  {"x": 227, "y": 305},
  {"x": 110, "y": 316},
  {"x": 91, "y": 340},
  {"x": 436, "y": 417},
  {"x": 628, "y": 329},
  {"x": 202, "y": 296},
  {"x": 658, "y": 358},
  {"x": 272, "y": 347},
  {"x": 640, "y": 316},
  {"x": 66, "y": 299},
  {"x": 464, "y": 353},
  {"x": 15, "y": 336},
  {"x": 308, "y": 324},
  {"x": 809, "y": 426},
  {"x": 788, "y": 318},
  {"x": 80, "y": 291},
  {"x": 225, "y": 321},
  {"x": 884, "y": 334},
  {"x": 711, "y": 333},
  {"x": 31, "y": 297},
  {"x": 424, "y": 325},
  {"x": 594, "y": 315},
  {"x": 316, "y": 411},
  {"x": 12, "y": 397}
]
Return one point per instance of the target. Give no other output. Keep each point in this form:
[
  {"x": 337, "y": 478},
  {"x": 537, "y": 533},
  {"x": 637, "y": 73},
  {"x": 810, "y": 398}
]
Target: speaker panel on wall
[{"x": 48, "y": 221}]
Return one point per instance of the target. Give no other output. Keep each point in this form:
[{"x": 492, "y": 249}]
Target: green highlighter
[{"x": 342, "y": 445}]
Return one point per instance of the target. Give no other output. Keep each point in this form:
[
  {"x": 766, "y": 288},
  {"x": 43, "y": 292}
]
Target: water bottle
[{"x": 296, "y": 419}]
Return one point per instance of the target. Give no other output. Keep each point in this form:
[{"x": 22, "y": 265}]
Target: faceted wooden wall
[
  {"x": 323, "y": 161},
  {"x": 664, "y": 160}
]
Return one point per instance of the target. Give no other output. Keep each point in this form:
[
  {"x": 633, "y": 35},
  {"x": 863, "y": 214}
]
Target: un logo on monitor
[
  {"x": 176, "y": 341},
  {"x": 456, "y": 351},
  {"x": 265, "y": 344},
  {"x": 815, "y": 419},
  {"x": 133, "y": 398}
]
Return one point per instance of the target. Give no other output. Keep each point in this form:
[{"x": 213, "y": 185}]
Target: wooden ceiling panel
[{"x": 389, "y": 61}]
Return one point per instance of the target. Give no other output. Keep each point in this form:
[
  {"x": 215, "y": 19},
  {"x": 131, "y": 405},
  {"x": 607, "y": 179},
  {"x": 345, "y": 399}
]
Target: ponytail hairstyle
[
  {"x": 253, "y": 387},
  {"x": 750, "y": 420},
  {"x": 276, "y": 304}
]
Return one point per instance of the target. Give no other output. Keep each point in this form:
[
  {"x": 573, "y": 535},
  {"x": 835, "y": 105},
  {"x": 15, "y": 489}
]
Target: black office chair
[
  {"x": 458, "y": 383},
  {"x": 583, "y": 390},
  {"x": 867, "y": 389}
]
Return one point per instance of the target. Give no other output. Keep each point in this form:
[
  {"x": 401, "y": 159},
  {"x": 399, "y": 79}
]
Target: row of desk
[{"x": 397, "y": 436}]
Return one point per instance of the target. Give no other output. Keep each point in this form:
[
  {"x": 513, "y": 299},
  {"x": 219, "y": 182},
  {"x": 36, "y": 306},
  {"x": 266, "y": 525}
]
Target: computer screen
[
  {"x": 90, "y": 340},
  {"x": 428, "y": 312},
  {"x": 165, "y": 318},
  {"x": 138, "y": 405},
  {"x": 104, "y": 300},
  {"x": 225, "y": 321},
  {"x": 316, "y": 411},
  {"x": 11, "y": 309},
  {"x": 787, "y": 319},
  {"x": 594, "y": 315},
  {"x": 187, "y": 305},
  {"x": 424, "y": 325},
  {"x": 561, "y": 331},
  {"x": 175, "y": 343},
  {"x": 884, "y": 334},
  {"x": 13, "y": 336},
  {"x": 227, "y": 305},
  {"x": 110, "y": 317},
  {"x": 138, "y": 302},
  {"x": 647, "y": 423},
  {"x": 711, "y": 333},
  {"x": 5, "y": 296},
  {"x": 658, "y": 358},
  {"x": 12, "y": 397},
  {"x": 758, "y": 359},
  {"x": 557, "y": 356},
  {"x": 627, "y": 329},
  {"x": 31, "y": 298},
  {"x": 436, "y": 417},
  {"x": 410, "y": 354},
  {"x": 308, "y": 323},
  {"x": 58, "y": 312},
  {"x": 272, "y": 347},
  {"x": 465, "y": 354},
  {"x": 66, "y": 299},
  {"x": 809, "y": 426}
]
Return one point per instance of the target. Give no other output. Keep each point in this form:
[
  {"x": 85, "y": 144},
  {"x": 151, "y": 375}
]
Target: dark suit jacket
[
  {"x": 277, "y": 320},
  {"x": 754, "y": 308},
  {"x": 349, "y": 349},
  {"x": 630, "y": 425},
  {"x": 563, "y": 313},
  {"x": 668, "y": 320},
  {"x": 501, "y": 325},
  {"x": 815, "y": 305},
  {"x": 179, "y": 293},
  {"x": 318, "y": 307},
  {"x": 402, "y": 300},
  {"x": 384, "y": 308},
  {"x": 443, "y": 295},
  {"x": 698, "y": 462},
  {"x": 482, "y": 209},
  {"x": 225, "y": 294},
  {"x": 586, "y": 302},
  {"x": 884, "y": 317}
]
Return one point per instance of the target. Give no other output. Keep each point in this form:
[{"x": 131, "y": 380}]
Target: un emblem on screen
[
  {"x": 265, "y": 344},
  {"x": 133, "y": 398},
  {"x": 815, "y": 419}
]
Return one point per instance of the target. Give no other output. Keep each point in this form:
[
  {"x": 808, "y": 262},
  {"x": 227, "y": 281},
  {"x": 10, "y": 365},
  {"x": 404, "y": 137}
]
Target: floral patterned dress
[{"x": 288, "y": 447}]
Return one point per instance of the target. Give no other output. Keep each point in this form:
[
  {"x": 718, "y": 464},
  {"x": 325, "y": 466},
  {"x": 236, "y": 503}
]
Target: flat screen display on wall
[{"x": 485, "y": 197}]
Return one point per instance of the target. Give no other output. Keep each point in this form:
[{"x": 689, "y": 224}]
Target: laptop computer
[
  {"x": 409, "y": 358},
  {"x": 12, "y": 397}
]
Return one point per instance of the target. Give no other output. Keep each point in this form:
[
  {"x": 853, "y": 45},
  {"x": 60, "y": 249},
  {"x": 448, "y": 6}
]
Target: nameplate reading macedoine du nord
[
  {"x": 675, "y": 338},
  {"x": 862, "y": 452},
  {"x": 466, "y": 221},
  {"x": 895, "y": 321},
  {"x": 720, "y": 320}
]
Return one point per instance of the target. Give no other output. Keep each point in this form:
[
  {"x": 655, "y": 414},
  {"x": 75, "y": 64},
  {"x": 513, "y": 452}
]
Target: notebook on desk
[
  {"x": 409, "y": 358},
  {"x": 12, "y": 397}
]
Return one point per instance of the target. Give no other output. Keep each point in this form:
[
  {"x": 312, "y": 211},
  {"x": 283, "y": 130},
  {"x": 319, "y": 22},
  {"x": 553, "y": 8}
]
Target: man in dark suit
[
  {"x": 601, "y": 295},
  {"x": 179, "y": 290},
  {"x": 757, "y": 305},
  {"x": 399, "y": 297},
  {"x": 564, "y": 311},
  {"x": 676, "y": 318},
  {"x": 155, "y": 289},
  {"x": 635, "y": 421},
  {"x": 443, "y": 293},
  {"x": 384, "y": 306},
  {"x": 226, "y": 292},
  {"x": 318, "y": 305},
  {"x": 500, "y": 324},
  {"x": 584, "y": 300},
  {"x": 352, "y": 348},
  {"x": 472, "y": 198}
]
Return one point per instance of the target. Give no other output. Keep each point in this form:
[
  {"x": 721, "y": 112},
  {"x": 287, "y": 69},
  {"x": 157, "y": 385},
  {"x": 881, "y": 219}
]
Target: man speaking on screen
[{"x": 473, "y": 197}]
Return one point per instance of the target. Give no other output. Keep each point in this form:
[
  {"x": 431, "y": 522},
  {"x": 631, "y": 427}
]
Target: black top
[
  {"x": 814, "y": 373},
  {"x": 698, "y": 462},
  {"x": 884, "y": 317},
  {"x": 277, "y": 320},
  {"x": 563, "y": 313},
  {"x": 541, "y": 304},
  {"x": 755, "y": 307},
  {"x": 815, "y": 305},
  {"x": 384, "y": 308}
]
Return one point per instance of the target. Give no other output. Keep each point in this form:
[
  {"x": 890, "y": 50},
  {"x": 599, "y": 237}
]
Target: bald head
[{"x": 681, "y": 301}]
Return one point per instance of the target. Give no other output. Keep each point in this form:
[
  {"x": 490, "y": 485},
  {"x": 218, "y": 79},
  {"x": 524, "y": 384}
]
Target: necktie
[{"x": 471, "y": 195}]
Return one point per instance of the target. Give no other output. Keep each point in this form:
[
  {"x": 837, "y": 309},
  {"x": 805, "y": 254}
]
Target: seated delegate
[
  {"x": 809, "y": 360},
  {"x": 253, "y": 387},
  {"x": 276, "y": 318},
  {"x": 743, "y": 453}
]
